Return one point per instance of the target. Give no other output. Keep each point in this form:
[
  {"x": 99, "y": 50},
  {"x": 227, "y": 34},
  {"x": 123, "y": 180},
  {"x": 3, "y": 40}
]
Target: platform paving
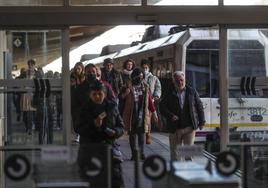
[{"x": 159, "y": 146}]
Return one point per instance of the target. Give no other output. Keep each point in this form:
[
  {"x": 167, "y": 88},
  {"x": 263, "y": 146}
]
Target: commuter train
[{"x": 196, "y": 51}]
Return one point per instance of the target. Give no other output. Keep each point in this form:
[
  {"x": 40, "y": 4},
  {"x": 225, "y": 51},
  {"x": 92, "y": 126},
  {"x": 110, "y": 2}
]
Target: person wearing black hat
[
  {"x": 136, "y": 103},
  {"x": 100, "y": 123},
  {"x": 112, "y": 76}
]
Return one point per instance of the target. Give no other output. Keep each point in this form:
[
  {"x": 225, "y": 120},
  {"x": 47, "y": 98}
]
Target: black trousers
[{"x": 132, "y": 142}]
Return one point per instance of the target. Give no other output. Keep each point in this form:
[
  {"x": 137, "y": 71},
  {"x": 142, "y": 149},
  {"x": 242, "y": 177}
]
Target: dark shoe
[
  {"x": 18, "y": 117},
  {"x": 29, "y": 132},
  {"x": 132, "y": 158},
  {"x": 143, "y": 157},
  {"x": 188, "y": 159}
]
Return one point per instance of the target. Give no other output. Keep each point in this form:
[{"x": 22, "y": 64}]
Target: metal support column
[
  {"x": 66, "y": 93},
  {"x": 223, "y": 69},
  {"x": 2, "y": 115}
]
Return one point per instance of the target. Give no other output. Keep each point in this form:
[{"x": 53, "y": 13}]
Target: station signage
[
  {"x": 17, "y": 167},
  {"x": 190, "y": 150},
  {"x": 227, "y": 163},
  {"x": 154, "y": 167},
  {"x": 55, "y": 153}
]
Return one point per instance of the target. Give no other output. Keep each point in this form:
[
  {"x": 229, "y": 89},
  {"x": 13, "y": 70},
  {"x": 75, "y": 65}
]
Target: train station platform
[{"x": 159, "y": 146}]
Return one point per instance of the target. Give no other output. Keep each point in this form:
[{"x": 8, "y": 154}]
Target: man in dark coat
[
  {"x": 184, "y": 112},
  {"x": 112, "y": 76}
]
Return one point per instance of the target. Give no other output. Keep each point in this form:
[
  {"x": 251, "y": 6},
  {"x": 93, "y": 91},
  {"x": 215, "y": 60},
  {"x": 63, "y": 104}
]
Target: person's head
[
  {"x": 31, "y": 63},
  {"x": 49, "y": 74},
  {"x": 179, "y": 79},
  {"x": 97, "y": 92},
  {"x": 137, "y": 76},
  {"x": 108, "y": 64},
  {"x": 23, "y": 72},
  {"x": 91, "y": 71},
  {"x": 56, "y": 75},
  {"x": 129, "y": 64},
  {"x": 145, "y": 65},
  {"x": 78, "y": 68}
]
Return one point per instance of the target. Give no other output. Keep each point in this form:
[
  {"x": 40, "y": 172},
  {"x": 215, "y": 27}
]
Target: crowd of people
[{"x": 107, "y": 103}]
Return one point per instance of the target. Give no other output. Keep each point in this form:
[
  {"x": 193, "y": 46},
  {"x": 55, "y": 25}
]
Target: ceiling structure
[{"x": 45, "y": 46}]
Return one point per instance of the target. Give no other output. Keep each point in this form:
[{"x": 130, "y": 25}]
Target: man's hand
[
  {"x": 156, "y": 98},
  {"x": 174, "y": 118},
  {"x": 110, "y": 132},
  {"x": 201, "y": 126},
  {"x": 98, "y": 122},
  {"x": 155, "y": 117}
]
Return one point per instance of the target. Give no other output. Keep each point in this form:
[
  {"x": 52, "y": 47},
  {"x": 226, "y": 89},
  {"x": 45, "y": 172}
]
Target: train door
[
  {"x": 202, "y": 70},
  {"x": 30, "y": 101}
]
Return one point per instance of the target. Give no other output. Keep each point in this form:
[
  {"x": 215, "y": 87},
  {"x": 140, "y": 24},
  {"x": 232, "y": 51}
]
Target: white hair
[{"x": 178, "y": 73}]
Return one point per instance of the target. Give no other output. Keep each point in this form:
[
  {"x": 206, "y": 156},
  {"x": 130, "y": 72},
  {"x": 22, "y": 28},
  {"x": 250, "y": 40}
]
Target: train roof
[{"x": 183, "y": 38}]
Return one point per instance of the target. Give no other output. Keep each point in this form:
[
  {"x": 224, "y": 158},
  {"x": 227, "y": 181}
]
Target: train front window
[
  {"x": 202, "y": 67},
  {"x": 248, "y": 54}
]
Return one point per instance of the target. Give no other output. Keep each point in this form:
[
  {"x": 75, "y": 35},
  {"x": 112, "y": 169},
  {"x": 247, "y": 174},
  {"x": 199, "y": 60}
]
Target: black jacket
[
  {"x": 115, "y": 80},
  {"x": 170, "y": 106},
  {"x": 86, "y": 126}
]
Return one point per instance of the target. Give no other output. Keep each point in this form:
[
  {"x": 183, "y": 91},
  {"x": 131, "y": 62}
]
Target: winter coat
[
  {"x": 127, "y": 104},
  {"x": 170, "y": 105},
  {"x": 86, "y": 126},
  {"x": 116, "y": 81},
  {"x": 154, "y": 85},
  {"x": 26, "y": 99}
]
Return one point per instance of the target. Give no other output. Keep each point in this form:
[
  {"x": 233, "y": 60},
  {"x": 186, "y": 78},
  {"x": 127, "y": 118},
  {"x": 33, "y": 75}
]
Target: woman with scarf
[
  {"x": 128, "y": 66},
  {"x": 137, "y": 102}
]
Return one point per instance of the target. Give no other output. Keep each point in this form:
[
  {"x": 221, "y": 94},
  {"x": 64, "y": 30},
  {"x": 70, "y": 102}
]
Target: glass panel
[
  {"x": 182, "y": 2},
  {"x": 31, "y": 2},
  {"x": 43, "y": 167},
  {"x": 245, "y": 2},
  {"x": 248, "y": 103},
  {"x": 202, "y": 62},
  {"x": 105, "y": 2},
  {"x": 257, "y": 166},
  {"x": 33, "y": 105}
]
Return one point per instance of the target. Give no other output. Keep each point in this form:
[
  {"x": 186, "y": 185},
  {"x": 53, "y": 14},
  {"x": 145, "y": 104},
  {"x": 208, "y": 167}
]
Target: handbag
[{"x": 148, "y": 138}]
